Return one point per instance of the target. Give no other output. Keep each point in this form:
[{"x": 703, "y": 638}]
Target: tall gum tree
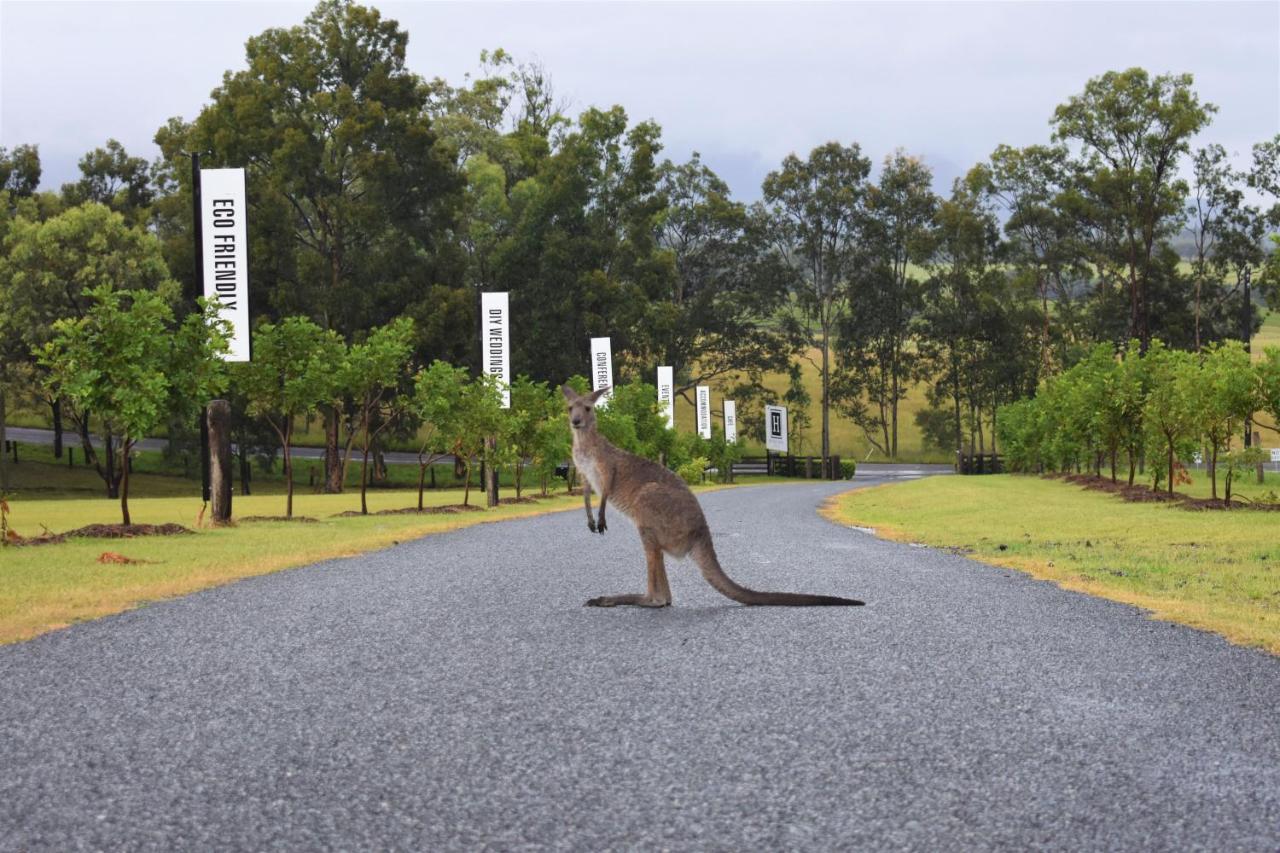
[
  {"x": 815, "y": 210},
  {"x": 336, "y": 131},
  {"x": 1131, "y": 130}
]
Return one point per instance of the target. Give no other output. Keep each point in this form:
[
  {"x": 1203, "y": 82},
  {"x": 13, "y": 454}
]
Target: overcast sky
[{"x": 745, "y": 84}]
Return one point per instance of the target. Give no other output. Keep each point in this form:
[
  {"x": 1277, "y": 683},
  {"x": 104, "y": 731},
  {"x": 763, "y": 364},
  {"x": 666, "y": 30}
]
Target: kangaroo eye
[{"x": 588, "y": 408}]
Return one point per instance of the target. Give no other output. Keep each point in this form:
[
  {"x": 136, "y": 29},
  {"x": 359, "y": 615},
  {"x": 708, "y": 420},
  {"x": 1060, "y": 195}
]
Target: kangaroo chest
[{"x": 588, "y": 466}]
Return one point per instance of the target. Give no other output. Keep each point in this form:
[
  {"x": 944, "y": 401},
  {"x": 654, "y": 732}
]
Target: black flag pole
[{"x": 197, "y": 230}]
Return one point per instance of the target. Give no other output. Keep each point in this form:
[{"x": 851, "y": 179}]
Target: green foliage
[
  {"x": 124, "y": 360},
  {"x": 693, "y": 471},
  {"x": 848, "y": 468}
]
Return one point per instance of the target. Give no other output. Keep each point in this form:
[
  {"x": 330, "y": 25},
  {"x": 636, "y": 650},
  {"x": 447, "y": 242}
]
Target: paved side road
[{"x": 452, "y": 694}]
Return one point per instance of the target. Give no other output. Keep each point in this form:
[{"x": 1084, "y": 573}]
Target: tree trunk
[
  {"x": 1213, "y": 471},
  {"x": 1170, "y": 469},
  {"x": 491, "y": 478},
  {"x": 56, "y": 406},
  {"x": 124, "y": 479},
  {"x": 113, "y": 481},
  {"x": 288, "y": 469},
  {"x": 466, "y": 489},
  {"x": 422, "y": 481},
  {"x": 4, "y": 462},
  {"x": 364, "y": 470},
  {"x": 332, "y": 461},
  {"x": 826, "y": 391}
]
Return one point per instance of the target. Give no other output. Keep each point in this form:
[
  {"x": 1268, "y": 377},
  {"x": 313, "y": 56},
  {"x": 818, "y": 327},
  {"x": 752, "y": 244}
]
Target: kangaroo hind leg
[{"x": 659, "y": 592}]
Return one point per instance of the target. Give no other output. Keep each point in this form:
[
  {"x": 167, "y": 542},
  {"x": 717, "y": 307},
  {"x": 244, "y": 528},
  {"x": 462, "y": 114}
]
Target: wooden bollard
[{"x": 220, "y": 460}]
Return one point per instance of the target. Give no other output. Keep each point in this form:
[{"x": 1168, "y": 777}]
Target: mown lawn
[{"x": 1217, "y": 570}]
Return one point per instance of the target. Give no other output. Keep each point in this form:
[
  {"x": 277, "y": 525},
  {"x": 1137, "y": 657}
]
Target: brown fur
[{"x": 666, "y": 514}]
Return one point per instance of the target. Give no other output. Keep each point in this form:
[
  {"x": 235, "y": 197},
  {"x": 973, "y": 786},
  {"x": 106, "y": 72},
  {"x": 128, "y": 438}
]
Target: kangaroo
[{"x": 665, "y": 512}]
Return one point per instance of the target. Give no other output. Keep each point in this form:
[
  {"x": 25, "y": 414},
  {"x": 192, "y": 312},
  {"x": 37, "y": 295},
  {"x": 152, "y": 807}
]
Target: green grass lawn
[{"x": 1218, "y": 571}]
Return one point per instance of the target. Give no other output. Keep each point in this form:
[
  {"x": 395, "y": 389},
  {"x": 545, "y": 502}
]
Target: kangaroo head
[{"x": 582, "y": 414}]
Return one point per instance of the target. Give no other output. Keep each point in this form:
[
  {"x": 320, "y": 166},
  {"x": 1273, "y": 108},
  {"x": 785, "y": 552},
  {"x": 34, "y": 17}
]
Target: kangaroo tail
[{"x": 704, "y": 554}]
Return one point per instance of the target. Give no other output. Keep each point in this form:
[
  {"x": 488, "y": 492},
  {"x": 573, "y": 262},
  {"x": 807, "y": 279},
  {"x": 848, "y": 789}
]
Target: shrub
[
  {"x": 848, "y": 468},
  {"x": 691, "y": 472}
]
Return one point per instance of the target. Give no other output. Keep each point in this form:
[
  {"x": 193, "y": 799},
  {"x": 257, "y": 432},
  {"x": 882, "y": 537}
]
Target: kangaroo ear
[
  {"x": 596, "y": 395},
  {"x": 569, "y": 393}
]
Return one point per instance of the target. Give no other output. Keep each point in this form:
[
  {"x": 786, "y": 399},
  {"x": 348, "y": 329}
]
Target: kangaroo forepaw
[
  {"x": 591, "y": 524},
  {"x": 601, "y": 527}
]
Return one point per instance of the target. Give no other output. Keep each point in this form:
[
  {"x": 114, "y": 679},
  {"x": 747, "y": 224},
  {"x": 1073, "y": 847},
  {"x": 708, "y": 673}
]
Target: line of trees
[
  {"x": 378, "y": 194},
  {"x": 1160, "y": 407}
]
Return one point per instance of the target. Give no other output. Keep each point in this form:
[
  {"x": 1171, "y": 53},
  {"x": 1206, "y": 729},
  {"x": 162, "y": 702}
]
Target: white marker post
[
  {"x": 666, "y": 394},
  {"x": 704, "y": 411},
  {"x": 495, "y": 340},
  {"x": 225, "y": 234},
  {"x": 730, "y": 421},
  {"x": 601, "y": 367}
]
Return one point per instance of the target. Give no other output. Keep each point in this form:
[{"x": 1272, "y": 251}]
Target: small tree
[
  {"x": 532, "y": 406},
  {"x": 124, "y": 360},
  {"x": 480, "y": 415},
  {"x": 372, "y": 373},
  {"x": 294, "y": 367},
  {"x": 1230, "y": 395},
  {"x": 437, "y": 401},
  {"x": 1173, "y": 405}
]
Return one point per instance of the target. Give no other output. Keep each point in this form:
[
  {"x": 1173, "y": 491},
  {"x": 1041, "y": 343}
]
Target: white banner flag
[
  {"x": 775, "y": 428},
  {"x": 730, "y": 421},
  {"x": 666, "y": 389},
  {"x": 495, "y": 340},
  {"x": 225, "y": 234},
  {"x": 704, "y": 411},
  {"x": 601, "y": 367}
]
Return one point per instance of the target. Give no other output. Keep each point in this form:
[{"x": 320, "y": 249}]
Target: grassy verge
[
  {"x": 1218, "y": 571},
  {"x": 46, "y": 587}
]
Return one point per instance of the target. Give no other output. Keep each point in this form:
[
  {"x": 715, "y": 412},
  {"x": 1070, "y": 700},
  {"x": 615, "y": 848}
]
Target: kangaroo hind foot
[{"x": 637, "y": 599}]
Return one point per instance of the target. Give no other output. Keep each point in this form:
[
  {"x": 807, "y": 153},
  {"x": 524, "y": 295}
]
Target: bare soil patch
[
  {"x": 1146, "y": 494},
  {"x": 105, "y": 531},
  {"x": 302, "y": 519},
  {"x": 447, "y": 509}
]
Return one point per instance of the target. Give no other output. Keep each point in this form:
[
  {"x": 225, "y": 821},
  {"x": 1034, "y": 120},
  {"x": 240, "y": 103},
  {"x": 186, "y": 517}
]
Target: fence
[
  {"x": 978, "y": 463},
  {"x": 780, "y": 465}
]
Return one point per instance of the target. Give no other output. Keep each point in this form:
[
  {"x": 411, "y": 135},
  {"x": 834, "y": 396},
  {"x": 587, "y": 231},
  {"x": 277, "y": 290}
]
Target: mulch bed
[
  {"x": 523, "y": 499},
  {"x": 305, "y": 519},
  {"x": 1146, "y": 494},
  {"x": 105, "y": 531},
  {"x": 447, "y": 509}
]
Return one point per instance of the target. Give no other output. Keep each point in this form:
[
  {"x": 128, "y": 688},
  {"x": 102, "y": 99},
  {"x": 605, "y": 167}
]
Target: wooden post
[
  {"x": 220, "y": 460},
  {"x": 491, "y": 475}
]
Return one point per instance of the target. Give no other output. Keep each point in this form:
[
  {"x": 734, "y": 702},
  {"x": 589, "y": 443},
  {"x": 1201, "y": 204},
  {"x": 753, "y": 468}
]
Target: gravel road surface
[{"x": 452, "y": 693}]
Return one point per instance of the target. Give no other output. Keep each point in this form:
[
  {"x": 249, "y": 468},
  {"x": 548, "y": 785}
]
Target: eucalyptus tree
[
  {"x": 874, "y": 348},
  {"x": 815, "y": 210},
  {"x": 1131, "y": 130},
  {"x": 1043, "y": 239},
  {"x": 709, "y": 326},
  {"x": 20, "y": 170},
  {"x": 345, "y": 165},
  {"x": 109, "y": 176},
  {"x": 1214, "y": 195}
]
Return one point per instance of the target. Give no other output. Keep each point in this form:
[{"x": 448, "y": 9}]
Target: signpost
[
  {"x": 704, "y": 411},
  {"x": 666, "y": 395},
  {"x": 225, "y": 252},
  {"x": 775, "y": 428},
  {"x": 220, "y": 221},
  {"x": 601, "y": 368},
  {"x": 495, "y": 342},
  {"x": 730, "y": 421}
]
